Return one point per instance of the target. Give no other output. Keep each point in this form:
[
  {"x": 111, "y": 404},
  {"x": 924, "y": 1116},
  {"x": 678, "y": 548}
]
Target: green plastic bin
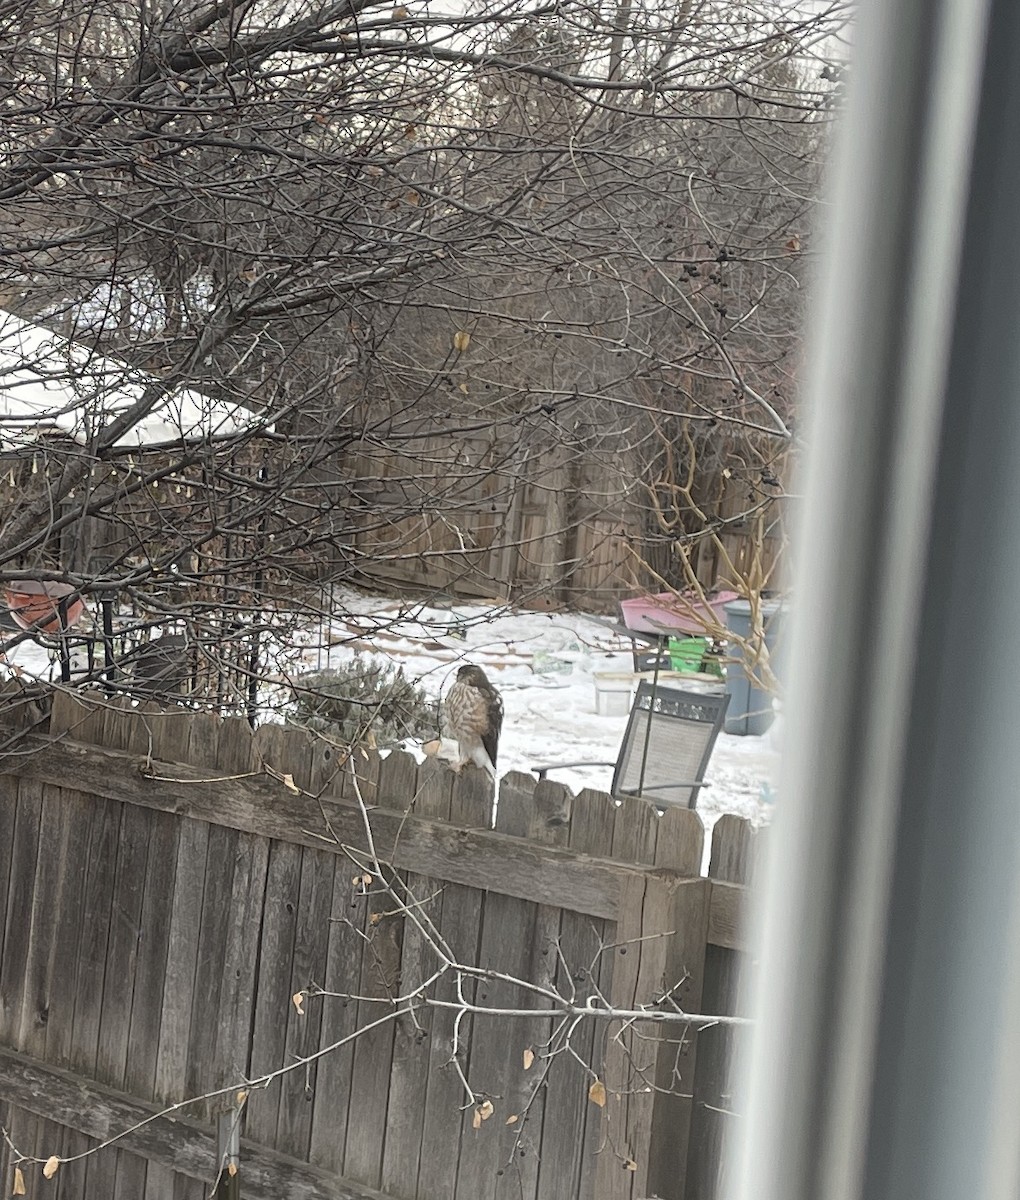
[{"x": 687, "y": 654}]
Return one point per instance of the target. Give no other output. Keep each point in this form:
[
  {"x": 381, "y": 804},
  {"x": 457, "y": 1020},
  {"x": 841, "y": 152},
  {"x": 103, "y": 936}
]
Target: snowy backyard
[{"x": 544, "y": 665}]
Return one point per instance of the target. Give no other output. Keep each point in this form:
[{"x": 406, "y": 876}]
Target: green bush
[{"x": 364, "y": 702}]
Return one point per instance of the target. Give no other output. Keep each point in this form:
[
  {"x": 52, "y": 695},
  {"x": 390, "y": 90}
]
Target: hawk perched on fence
[{"x": 473, "y": 715}]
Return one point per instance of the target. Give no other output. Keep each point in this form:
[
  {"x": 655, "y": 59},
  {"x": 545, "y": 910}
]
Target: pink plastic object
[
  {"x": 35, "y": 605},
  {"x": 669, "y": 613}
]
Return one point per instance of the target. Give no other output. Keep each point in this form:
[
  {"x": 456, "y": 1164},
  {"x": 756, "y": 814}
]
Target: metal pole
[
  {"x": 106, "y": 606},
  {"x": 62, "y": 636},
  {"x": 659, "y": 642},
  {"x": 253, "y": 661}
]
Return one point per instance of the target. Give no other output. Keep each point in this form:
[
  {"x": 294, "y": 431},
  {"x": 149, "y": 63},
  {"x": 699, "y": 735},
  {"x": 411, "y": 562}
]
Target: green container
[{"x": 687, "y": 654}]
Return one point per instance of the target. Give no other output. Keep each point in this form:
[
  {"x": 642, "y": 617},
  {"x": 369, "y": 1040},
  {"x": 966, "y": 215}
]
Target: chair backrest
[
  {"x": 667, "y": 744},
  {"x": 160, "y": 668}
]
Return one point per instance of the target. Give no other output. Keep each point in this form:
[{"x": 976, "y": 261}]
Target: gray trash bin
[{"x": 750, "y": 709}]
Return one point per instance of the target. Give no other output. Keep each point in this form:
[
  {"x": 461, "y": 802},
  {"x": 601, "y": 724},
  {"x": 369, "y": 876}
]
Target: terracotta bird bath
[{"x": 35, "y": 605}]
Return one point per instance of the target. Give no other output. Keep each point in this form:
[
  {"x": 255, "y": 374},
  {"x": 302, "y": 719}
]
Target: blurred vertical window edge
[{"x": 886, "y": 1058}]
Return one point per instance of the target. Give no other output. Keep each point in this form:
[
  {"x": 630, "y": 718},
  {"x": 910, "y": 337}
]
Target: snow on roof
[{"x": 48, "y": 383}]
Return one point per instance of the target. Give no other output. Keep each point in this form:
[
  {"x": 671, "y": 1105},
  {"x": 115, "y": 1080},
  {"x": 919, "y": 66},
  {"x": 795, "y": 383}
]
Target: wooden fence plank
[
  {"x": 680, "y": 842},
  {"x": 90, "y": 975},
  {"x": 48, "y": 871},
  {"x": 230, "y": 1057},
  {"x": 149, "y": 973},
  {"x": 274, "y": 749},
  {"x": 118, "y": 726},
  {"x": 76, "y": 716},
  {"x": 637, "y": 828},
  {"x": 50, "y": 1139},
  {"x": 76, "y": 816},
  {"x": 320, "y": 766},
  {"x": 140, "y": 726},
  {"x": 713, "y": 1105},
  {"x": 119, "y": 978},
  {"x": 100, "y": 880},
  {"x": 727, "y": 923},
  {"x": 8, "y": 812},
  {"x": 234, "y": 751},
  {"x": 67, "y": 711},
  {"x": 361, "y": 778},
  {"x": 79, "y": 812},
  {"x": 665, "y": 905},
  {"x": 237, "y": 989},
  {"x": 22, "y": 1127},
  {"x": 273, "y": 992},
  {"x": 463, "y": 907},
  {"x": 412, "y": 1036},
  {"x": 170, "y": 732},
  {"x": 297, "y": 760},
  {"x": 123, "y": 943},
  {"x": 185, "y": 921},
  {"x": 311, "y": 941},
  {"x": 385, "y": 782},
  {"x": 680, "y": 847},
  {"x": 634, "y": 837},
  {"x": 203, "y": 1073},
  {"x": 338, "y": 1022},
  {"x": 489, "y": 1154},
  {"x": 197, "y": 744},
  {"x": 20, "y": 896},
  {"x": 515, "y": 1148},
  {"x": 588, "y": 971},
  {"x": 732, "y": 855},
  {"x": 540, "y": 1135},
  {"x": 203, "y": 745},
  {"x": 613, "y": 1177},
  {"x": 44, "y": 986}
]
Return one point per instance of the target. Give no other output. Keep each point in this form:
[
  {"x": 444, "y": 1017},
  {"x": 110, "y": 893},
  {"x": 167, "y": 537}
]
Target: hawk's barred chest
[{"x": 468, "y": 709}]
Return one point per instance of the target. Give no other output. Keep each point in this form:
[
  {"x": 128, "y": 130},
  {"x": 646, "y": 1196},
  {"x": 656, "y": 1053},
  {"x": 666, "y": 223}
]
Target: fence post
[
  {"x": 661, "y": 919},
  {"x": 735, "y": 849},
  {"x": 673, "y": 1100}
]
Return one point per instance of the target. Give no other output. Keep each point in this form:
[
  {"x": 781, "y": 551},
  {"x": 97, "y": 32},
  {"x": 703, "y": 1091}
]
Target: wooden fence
[
  {"x": 495, "y": 515},
  {"x": 170, "y": 883},
  {"x": 560, "y": 532}
]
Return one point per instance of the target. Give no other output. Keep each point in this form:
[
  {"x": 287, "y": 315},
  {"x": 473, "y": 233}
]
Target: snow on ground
[{"x": 542, "y": 663}]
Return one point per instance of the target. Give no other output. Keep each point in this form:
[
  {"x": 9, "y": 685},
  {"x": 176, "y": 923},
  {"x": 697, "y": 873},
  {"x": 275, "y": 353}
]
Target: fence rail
[{"x": 191, "y": 910}]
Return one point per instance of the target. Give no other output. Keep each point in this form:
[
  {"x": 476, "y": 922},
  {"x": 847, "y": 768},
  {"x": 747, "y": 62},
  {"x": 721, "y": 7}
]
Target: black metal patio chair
[{"x": 666, "y": 746}]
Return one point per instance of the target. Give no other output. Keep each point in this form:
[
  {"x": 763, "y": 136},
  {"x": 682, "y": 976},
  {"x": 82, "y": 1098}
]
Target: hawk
[{"x": 473, "y": 715}]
